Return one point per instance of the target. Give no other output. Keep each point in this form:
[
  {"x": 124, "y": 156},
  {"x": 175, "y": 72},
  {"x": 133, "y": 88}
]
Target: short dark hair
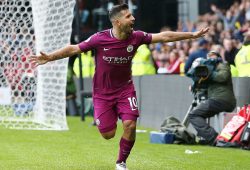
[
  {"x": 116, "y": 9},
  {"x": 202, "y": 42}
]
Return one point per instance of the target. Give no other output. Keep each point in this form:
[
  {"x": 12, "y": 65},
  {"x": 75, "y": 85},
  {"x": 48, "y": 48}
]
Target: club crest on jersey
[{"x": 130, "y": 48}]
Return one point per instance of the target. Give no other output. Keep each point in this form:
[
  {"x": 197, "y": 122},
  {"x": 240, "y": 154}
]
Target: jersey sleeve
[
  {"x": 143, "y": 37},
  {"x": 89, "y": 44}
]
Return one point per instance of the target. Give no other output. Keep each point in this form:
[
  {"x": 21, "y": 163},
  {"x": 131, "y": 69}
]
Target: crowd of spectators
[{"x": 226, "y": 35}]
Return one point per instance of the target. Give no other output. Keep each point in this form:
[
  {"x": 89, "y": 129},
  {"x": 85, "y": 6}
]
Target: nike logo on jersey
[{"x": 106, "y": 49}]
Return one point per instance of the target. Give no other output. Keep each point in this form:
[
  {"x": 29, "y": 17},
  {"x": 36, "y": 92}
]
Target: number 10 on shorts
[{"x": 133, "y": 103}]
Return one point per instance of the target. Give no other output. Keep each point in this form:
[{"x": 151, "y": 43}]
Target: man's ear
[{"x": 117, "y": 22}]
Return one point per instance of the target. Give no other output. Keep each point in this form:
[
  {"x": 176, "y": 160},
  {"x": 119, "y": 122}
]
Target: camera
[{"x": 201, "y": 72}]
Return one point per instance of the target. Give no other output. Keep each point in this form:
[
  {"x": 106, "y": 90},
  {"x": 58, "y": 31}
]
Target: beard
[{"x": 127, "y": 29}]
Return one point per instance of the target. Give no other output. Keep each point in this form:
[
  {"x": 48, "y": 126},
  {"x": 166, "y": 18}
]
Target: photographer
[{"x": 220, "y": 97}]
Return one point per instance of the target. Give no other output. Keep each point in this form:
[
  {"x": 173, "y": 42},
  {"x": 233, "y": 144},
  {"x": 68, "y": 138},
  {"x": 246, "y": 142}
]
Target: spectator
[
  {"x": 216, "y": 30},
  {"x": 182, "y": 59},
  {"x": 229, "y": 19},
  {"x": 161, "y": 57},
  {"x": 230, "y": 51},
  {"x": 200, "y": 53},
  {"x": 174, "y": 63},
  {"x": 194, "y": 47}
]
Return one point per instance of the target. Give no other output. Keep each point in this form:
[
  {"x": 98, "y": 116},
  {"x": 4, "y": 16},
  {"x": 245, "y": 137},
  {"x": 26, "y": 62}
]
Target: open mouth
[{"x": 132, "y": 26}]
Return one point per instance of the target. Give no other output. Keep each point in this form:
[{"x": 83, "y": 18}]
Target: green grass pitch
[{"x": 82, "y": 148}]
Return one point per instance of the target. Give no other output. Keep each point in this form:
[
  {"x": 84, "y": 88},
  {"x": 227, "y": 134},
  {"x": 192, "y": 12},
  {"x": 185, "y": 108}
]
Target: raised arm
[
  {"x": 218, "y": 12},
  {"x": 64, "y": 52},
  {"x": 169, "y": 36}
]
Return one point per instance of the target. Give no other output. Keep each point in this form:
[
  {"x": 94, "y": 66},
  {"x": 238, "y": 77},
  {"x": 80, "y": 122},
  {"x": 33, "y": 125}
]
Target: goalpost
[{"x": 33, "y": 98}]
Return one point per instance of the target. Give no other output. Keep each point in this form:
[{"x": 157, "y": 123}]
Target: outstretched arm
[
  {"x": 169, "y": 36},
  {"x": 64, "y": 52}
]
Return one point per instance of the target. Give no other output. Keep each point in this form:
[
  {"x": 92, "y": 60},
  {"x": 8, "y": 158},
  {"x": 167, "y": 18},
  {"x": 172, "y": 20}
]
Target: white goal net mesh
[{"x": 33, "y": 98}]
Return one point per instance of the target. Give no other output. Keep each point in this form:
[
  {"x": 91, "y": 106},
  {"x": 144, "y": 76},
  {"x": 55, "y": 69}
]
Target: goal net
[{"x": 33, "y": 98}]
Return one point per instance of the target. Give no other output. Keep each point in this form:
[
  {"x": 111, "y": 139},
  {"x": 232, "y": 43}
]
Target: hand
[
  {"x": 200, "y": 33},
  {"x": 39, "y": 59}
]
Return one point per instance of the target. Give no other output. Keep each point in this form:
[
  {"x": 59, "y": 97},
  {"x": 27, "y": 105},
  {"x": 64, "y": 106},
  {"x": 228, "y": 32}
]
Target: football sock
[{"x": 125, "y": 148}]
